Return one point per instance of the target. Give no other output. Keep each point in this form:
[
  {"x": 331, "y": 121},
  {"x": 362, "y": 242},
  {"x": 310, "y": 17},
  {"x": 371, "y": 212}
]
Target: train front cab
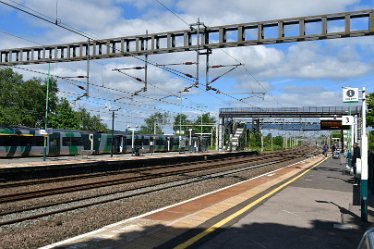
[{"x": 20, "y": 143}]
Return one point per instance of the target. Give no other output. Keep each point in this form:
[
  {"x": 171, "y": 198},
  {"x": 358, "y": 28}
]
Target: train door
[{"x": 54, "y": 144}]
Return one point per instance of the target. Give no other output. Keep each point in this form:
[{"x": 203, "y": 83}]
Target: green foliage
[
  {"x": 65, "y": 117},
  {"x": 371, "y": 141},
  {"x": 336, "y": 134},
  {"x": 195, "y": 125},
  {"x": 203, "y": 119},
  {"x": 157, "y": 118},
  {"x": 254, "y": 141},
  {"x": 182, "y": 119},
  {"x": 90, "y": 123},
  {"x": 370, "y": 114},
  {"x": 22, "y": 103}
]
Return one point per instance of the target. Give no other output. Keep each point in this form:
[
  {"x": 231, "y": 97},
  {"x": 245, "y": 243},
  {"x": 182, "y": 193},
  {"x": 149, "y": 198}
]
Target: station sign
[
  {"x": 333, "y": 124},
  {"x": 350, "y": 95},
  {"x": 347, "y": 120}
]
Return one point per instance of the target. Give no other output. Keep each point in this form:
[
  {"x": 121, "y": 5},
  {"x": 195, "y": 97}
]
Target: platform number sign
[{"x": 350, "y": 95}]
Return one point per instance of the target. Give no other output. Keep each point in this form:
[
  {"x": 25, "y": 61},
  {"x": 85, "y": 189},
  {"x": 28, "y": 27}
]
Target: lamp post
[
  {"x": 201, "y": 125},
  {"x": 46, "y": 113},
  {"x": 111, "y": 148},
  {"x": 180, "y": 122}
]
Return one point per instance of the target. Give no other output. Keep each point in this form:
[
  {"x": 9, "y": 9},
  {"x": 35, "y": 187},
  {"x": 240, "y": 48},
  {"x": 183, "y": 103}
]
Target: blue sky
[{"x": 293, "y": 74}]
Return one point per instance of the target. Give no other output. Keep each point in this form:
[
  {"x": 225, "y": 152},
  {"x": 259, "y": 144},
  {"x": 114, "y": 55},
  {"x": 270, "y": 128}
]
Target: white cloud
[{"x": 274, "y": 66}]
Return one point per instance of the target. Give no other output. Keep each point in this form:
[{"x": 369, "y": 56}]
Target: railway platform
[{"x": 310, "y": 204}]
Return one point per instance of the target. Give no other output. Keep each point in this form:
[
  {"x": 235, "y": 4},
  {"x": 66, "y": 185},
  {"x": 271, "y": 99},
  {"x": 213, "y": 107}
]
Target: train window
[
  {"x": 160, "y": 142},
  {"x": 39, "y": 141},
  {"x": 72, "y": 141},
  {"x": 6, "y": 140},
  {"x": 16, "y": 140},
  {"x": 128, "y": 141},
  {"x": 66, "y": 141},
  {"x": 145, "y": 141},
  {"x": 76, "y": 141}
]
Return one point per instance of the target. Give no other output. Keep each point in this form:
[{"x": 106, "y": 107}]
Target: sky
[{"x": 289, "y": 75}]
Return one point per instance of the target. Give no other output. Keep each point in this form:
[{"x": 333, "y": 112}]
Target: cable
[
  {"x": 248, "y": 72},
  {"x": 66, "y": 27},
  {"x": 175, "y": 14}
]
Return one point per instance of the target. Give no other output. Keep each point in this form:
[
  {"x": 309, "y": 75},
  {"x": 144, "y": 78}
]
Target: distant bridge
[{"x": 288, "y": 112}]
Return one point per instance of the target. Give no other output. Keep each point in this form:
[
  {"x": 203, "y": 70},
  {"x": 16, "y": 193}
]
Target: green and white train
[{"x": 24, "y": 142}]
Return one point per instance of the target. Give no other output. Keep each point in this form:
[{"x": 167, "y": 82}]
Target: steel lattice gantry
[
  {"x": 289, "y": 112},
  {"x": 186, "y": 40}
]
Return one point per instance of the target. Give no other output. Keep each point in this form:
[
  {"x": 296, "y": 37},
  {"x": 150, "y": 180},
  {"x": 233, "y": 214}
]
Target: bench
[{"x": 87, "y": 153}]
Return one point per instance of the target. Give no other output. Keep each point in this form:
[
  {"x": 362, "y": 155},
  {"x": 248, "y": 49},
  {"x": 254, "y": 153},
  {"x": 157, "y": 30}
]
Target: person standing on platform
[
  {"x": 333, "y": 148},
  {"x": 325, "y": 149},
  {"x": 356, "y": 154}
]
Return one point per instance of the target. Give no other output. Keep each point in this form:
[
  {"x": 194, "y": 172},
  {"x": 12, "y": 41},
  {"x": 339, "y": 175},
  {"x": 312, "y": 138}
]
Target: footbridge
[{"x": 229, "y": 116}]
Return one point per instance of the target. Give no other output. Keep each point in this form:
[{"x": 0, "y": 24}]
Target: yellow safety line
[{"x": 240, "y": 212}]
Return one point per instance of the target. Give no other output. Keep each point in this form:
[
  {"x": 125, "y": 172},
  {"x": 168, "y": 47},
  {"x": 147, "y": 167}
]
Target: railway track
[
  {"x": 242, "y": 165},
  {"x": 140, "y": 175}
]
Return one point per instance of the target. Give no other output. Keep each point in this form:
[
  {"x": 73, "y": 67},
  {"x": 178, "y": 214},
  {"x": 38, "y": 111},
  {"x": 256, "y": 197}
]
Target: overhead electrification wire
[
  {"x": 180, "y": 18},
  {"x": 175, "y": 14},
  {"x": 70, "y": 29},
  {"x": 77, "y": 32},
  {"x": 253, "y": 77}
]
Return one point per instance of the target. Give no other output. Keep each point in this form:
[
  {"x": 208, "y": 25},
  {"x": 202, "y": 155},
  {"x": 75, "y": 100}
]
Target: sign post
[
  {"x": 350, "y": 95},
  {"x": 364, "y": 161}
]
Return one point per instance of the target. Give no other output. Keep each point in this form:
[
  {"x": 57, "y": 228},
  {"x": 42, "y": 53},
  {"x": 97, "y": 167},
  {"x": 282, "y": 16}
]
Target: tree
[
  {"x": 204, "y": 119},
  {"x": 23, "y": 102},
  {"x": 65, "y": 117},
  {"x": 90, "y": 123},
  {"x": 179, "y": 122},
  {"x": 370, "y": 113},
  {"x": 156, "y": 118}
]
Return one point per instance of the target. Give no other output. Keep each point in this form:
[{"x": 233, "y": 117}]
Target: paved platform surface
[
  {"x": 305, "y": 205},
  {"x": 282, "y": 209},
  {"x": 315, "y": 211}
]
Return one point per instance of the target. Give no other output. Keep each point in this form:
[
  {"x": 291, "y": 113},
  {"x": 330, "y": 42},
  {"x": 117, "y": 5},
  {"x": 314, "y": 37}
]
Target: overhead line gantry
[{"x": 182, "y": 40}]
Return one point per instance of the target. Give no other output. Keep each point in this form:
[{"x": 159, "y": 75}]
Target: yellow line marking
[{"x": 219, "y": 224}]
